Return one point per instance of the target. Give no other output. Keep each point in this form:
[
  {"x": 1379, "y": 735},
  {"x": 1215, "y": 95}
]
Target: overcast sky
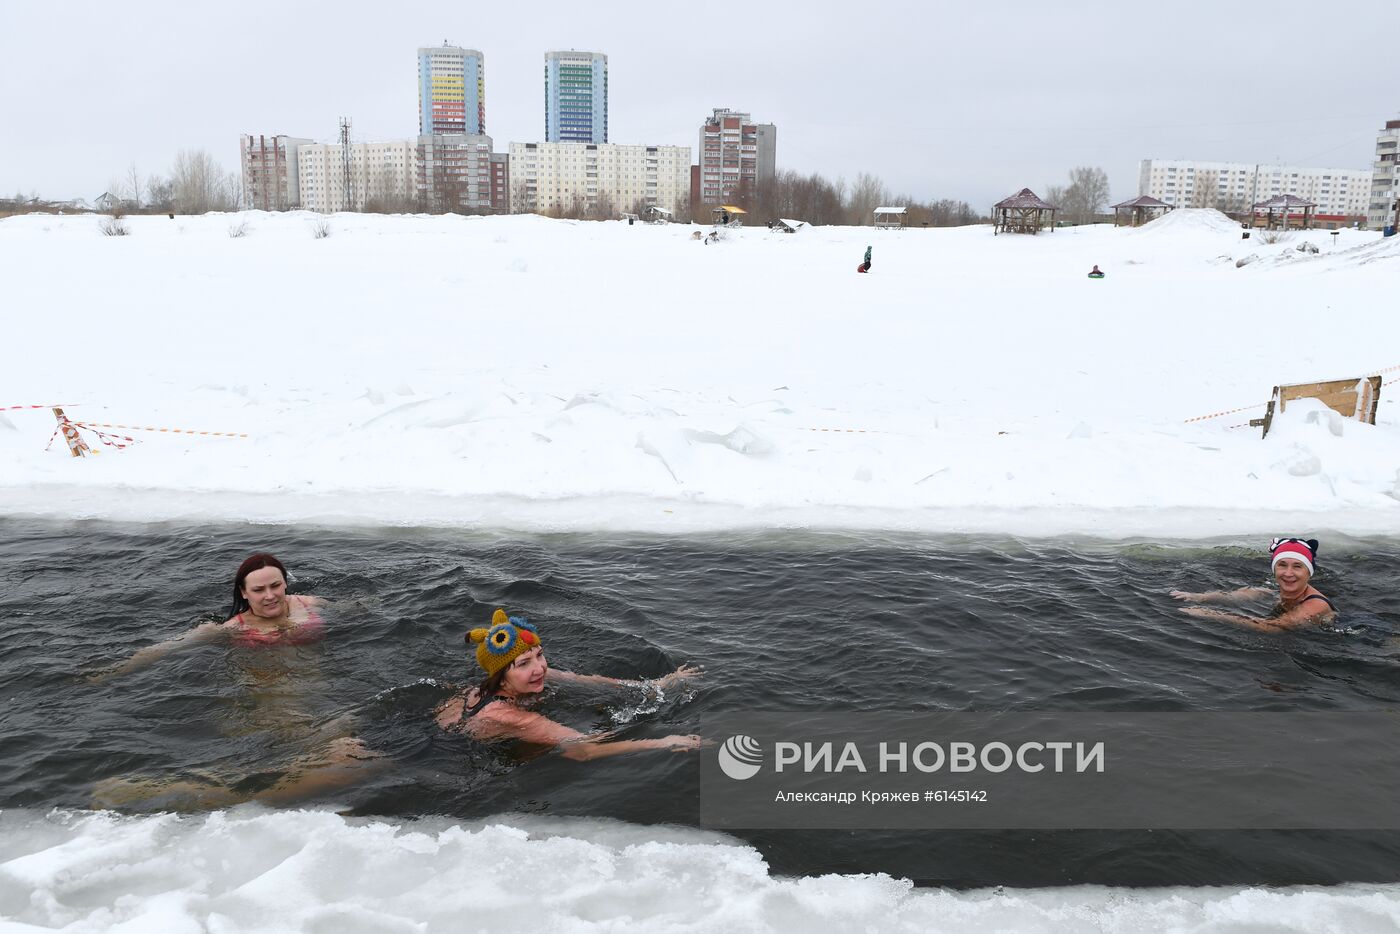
[{"x": 968, "y": 100}]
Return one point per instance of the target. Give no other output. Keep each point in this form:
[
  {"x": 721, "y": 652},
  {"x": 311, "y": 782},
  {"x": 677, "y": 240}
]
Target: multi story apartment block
[
  {"x": 736, "y": 155},
  {"x": 575, "y": 97},
  {"x": 1236, "y": 186},
  {"x": 381, "y": 176},
  {"x": 458, "y": 172},
  {"x": 1381, "y": 207},
  {"x": 451, "y": 91},
  {"x": 602, "y": 178},
  {"x": 270, "y": 178}
]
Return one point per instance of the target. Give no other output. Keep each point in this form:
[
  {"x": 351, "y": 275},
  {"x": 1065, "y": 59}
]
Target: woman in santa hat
[{"x": 1299, "y": 603}]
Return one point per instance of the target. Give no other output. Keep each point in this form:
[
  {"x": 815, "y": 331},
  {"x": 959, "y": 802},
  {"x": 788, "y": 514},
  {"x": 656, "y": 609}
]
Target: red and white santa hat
[{"x": 1304, "y": 550}]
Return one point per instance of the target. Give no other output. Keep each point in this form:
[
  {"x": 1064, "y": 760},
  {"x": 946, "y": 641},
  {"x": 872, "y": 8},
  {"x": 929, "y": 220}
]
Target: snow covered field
[{"x": 524, "y": 373}]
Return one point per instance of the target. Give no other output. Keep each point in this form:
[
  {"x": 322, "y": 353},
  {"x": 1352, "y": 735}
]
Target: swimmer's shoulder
[
  {"x": 450, "y": 712},
  {"x": 1320, "y": 605}
]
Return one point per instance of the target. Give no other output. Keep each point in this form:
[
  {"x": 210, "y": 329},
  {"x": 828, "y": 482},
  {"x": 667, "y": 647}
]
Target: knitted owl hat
[{"x": 508, "y": 638}]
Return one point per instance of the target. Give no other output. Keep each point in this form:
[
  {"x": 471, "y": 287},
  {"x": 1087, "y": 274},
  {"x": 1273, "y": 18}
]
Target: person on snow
[
  {"x": 1096, "y": 272},
  {"x": 865, "y": 266}
]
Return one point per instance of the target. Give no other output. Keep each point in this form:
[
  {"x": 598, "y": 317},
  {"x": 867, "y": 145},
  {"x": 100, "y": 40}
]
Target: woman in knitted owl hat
[
  {"x": 1293, "y": 562},
  {"x": 512, "y": 655}
]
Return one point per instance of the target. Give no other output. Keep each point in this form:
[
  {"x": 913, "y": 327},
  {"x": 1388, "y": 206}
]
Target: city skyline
[{"x": 921, "y": 96}]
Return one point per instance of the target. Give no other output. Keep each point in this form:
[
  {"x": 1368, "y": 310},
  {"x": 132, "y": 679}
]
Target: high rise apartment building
[
  {"x": 381, "y": 176},
  {"x": 459, "y": 173},
  {"x": 736, "y": 155},
  {"x": 1385, "y": 180},
  {"x": 269, "y": 165},
  {"x": 606, "y": 178},
  {"x": 1236, "y": 186},
  {"x": 451, "y": 91},
  {"x": 575, "y": 97}
]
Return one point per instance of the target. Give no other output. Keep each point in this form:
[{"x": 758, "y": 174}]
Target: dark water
[{"x": 780, "y": 621}]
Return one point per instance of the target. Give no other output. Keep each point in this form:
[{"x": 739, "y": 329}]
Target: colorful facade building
[
  {"x": 736, "y": 155},
  {"x": 451, "y": 91},
  {"x": 270, "y": 172},
  {"x": 575, "y": 97}
]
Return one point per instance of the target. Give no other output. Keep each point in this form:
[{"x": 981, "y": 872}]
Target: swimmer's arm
[
  {"x": 1242, "y": 595},
  {"x": 561, "y": 676},
  {"x": 208, "y": 632},
  {"x": 1271, "y": 624},
  {"x": 531, "y": 727},
  {"x": 665, "y": 681}
]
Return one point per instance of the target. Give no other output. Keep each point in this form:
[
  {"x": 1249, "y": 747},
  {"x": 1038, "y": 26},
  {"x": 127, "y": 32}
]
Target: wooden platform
[{"x": 1355, "y": 398}]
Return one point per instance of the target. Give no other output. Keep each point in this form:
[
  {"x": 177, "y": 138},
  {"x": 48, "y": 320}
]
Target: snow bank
[
  {"x": 1189, "y": 221},
  {"x": 523, "y": 373},
  {"x": 249, "y": 870}
]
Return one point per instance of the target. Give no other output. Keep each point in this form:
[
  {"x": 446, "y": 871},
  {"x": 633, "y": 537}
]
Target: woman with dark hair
[
  {"x": 284, "y": 695},
  {"x": 263, "y": 614},
  {"x": 1293, "y": 561},
  {"x": 512, "y": 656}
]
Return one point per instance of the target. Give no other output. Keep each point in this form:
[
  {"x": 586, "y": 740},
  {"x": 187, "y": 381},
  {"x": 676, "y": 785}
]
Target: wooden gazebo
[
  {"x": 1280, "y": 208},
  {"x": 1139, "y": 211},
  {"x": 1023, "y": 212}
]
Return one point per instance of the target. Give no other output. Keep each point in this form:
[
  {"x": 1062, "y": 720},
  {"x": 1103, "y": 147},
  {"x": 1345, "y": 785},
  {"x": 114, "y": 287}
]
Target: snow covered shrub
[
  {"x": 237, "y": 230},
  {"x": 321, "y": 229},
  {"x": 113, "y": 226}
]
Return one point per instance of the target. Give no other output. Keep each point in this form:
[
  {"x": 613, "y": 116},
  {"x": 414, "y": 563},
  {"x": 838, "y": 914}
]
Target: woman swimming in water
[
  {"x": 263, "y": 614},
  {"x": 516, "y": 672},
  {"x": 282, "y": 698},
  {"x": 1299, "y": 603}
]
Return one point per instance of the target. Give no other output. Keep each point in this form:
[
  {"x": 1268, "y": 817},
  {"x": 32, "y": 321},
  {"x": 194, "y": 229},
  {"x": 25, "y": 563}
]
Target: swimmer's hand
[
  {"x": 1184, "y": 595},
  {"x": 685, "y": 743},
  {"x": 683, "y": 673}
]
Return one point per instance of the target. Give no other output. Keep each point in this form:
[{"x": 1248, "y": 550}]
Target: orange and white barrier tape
[
  {"x": 1202, "y": 418},
  {"x": 171, "y": 431},
  {"x": 11, "y": 408}
]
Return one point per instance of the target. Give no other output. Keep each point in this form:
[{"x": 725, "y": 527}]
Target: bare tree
[
  {"x": 1086, "y": 195},
  {"x": 133, "y": 189},
  {"x": 199, "y": 184},
  {"x": 160, "y": 194},
  {"x": 387, "y": 192},
  {"x": 867, "y": 194},
  {"x": 1203, "y": 193},
  {"x": 601, "y": 208}
]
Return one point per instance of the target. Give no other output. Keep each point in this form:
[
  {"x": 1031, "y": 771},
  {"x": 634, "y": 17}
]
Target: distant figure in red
[
  {"x": 865, "y": 266},
  {"x": 1096, "y": 272}
]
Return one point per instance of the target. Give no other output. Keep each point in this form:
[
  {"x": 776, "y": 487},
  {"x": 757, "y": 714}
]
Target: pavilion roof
[
  {"x": 1025, "y": 198},
  {"x": 1142, "y": 201},
  {"x": 1285, "y": 201}
]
